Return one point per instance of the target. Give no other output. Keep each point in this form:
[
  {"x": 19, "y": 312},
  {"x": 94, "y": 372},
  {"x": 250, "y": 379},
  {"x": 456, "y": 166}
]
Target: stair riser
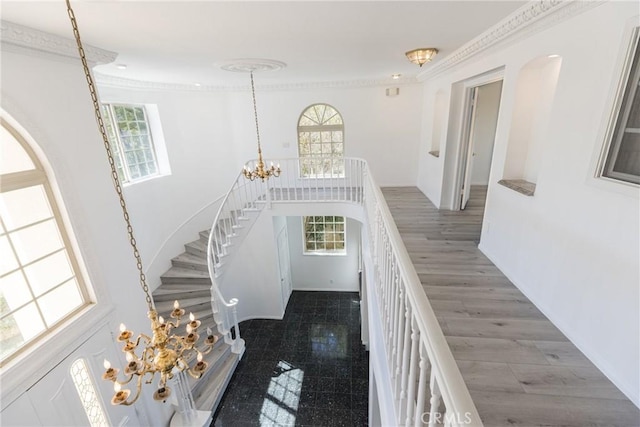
[
  {"x": 167, "y": 306},
  {"x": 195, "y": 251},
  {"x": 181, "y": 295},
  {"x": 186, "y": 280},
  {"x": 200, "y": 385}
]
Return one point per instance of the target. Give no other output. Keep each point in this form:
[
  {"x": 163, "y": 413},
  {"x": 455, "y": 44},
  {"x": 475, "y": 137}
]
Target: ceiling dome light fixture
[{"x": 422, "y": 55}]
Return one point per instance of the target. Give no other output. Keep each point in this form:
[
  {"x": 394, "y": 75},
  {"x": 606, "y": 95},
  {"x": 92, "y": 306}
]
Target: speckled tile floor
[{"x": 309, "y": 369}]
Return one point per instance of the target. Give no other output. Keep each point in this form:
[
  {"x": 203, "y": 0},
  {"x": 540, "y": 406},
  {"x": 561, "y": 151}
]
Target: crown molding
[
  {"x": 25, "y": 39},
  {"x": 531, "y": 18},
  {"x": 124, "y": 83}
]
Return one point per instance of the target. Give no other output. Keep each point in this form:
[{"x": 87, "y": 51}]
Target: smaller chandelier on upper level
[
  {"x": 422, "y": 55},
  {"x": 259, "y": 170}
]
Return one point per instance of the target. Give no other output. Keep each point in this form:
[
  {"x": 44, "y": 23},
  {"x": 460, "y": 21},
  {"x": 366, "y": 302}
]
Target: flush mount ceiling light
[{"x": 422, "y": 55}]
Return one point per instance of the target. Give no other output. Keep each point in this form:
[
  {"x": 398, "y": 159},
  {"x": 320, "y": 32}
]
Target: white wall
[
  {"x": 484, "y": 131},
  {"x": 209, "y": 135},
  {"x": 203, "y": 166},
  {"x": 382, "y": 130},
  {"x": 324, "y": 272},
  {"x": 573, "y": 248},
  {"x": 49, "y": 98},
  {"x": 252, "y": 275}
]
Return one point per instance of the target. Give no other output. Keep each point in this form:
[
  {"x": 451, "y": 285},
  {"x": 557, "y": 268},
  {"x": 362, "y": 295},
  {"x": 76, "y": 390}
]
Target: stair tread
[
  {"x": 199, "y": 244},
  {"x": 167, "y": 306},
  {"x": 178, "y": 288},
  {"x": 190, "y": 258},
  {"x": 176, "y": 272},
  {"x": 211, "y": 395}
]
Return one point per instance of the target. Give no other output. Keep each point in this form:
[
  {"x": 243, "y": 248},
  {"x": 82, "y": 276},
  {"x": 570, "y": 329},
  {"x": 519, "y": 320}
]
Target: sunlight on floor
[{"x": 283, "y": 396}]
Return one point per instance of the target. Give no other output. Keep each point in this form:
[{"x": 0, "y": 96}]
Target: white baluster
[
  {"x": 406, "y": 354},
  {"x": 434, "y": 409},
  {"x": 422, "y": 388},
  {"x": 413, "y": 374},
  {"x": 400, "y": 343}
]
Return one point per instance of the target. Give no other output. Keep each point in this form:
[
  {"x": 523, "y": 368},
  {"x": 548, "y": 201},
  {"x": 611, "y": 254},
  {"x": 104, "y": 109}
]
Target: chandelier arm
[{"x": 105, "y": 140}]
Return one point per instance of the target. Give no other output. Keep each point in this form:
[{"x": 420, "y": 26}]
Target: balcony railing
[{"x": 427, "y": 387}]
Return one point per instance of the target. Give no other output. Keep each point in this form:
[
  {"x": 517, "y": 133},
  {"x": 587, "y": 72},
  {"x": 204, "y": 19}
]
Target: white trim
[
  {"x": 531, "y": 18},
  {"x": 29, "y": 40},
  {"x": 594, "y": 175},
  {"x": 105, "y": 80},
  {"x": 469, "y": 84}
]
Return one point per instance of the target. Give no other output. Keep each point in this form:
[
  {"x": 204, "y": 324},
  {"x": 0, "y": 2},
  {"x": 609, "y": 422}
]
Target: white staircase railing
[{"x": 428, "y": 388}]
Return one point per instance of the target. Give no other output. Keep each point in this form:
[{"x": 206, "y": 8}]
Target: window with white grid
[
  {"x": 321, "y": 142},
  {"x": 621, "y": 160},
  {"x": 39, "y": 282},
  {"x": 131, "y": 141},
  {"x": 87, "y": 392},
  {"x": 324, "y": 234}
]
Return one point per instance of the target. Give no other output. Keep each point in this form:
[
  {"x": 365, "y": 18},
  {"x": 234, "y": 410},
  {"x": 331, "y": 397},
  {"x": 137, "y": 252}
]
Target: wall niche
[
  {"x": 439, "y": 116},
  {"x": 535, "y": 89}
]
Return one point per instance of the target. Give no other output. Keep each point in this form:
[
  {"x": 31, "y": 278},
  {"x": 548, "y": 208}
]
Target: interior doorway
[{"x": 482, "y": 105}]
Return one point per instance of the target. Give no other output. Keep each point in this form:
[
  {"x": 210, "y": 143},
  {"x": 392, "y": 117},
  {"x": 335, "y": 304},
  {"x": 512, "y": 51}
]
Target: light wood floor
[{"x": 519, "y": 368}]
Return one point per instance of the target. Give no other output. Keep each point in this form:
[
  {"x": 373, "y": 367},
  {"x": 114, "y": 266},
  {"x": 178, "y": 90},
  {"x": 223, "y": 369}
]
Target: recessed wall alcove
[
  {"x": 535, "y": 89},
  {"x": 439, "y": 116}
]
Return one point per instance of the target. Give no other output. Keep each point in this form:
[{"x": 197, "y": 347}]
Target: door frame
[
  {"x": 283, "y": 236},
  {"x": 464, "y": 132}
]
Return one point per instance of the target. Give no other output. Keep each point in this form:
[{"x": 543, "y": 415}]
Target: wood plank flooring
[{"x": 519, "y": 368}]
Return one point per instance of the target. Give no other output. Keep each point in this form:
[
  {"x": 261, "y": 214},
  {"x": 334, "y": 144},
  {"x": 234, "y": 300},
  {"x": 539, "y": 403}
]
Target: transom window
[
  {"x": 622, "y": 158},
  {"x": 321, "y": 142},
  {"x": 39, "y": 284},
  {"x": 324, "y": 234},
  {"x": 131, "y": 141}
]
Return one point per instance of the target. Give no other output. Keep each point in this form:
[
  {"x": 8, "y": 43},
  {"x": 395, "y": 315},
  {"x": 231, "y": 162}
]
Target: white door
[
  {"x": 55, "y": 401},
  {"x": 466, "y": 182},
  {"x": 284, "y": 265}
]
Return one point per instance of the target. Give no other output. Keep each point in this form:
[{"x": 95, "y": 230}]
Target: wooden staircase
[{"x": 188, "y": 281}]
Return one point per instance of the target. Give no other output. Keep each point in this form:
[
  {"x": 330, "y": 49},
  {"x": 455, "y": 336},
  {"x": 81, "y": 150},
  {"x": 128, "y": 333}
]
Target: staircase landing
[{"x": 519, "y": 368}]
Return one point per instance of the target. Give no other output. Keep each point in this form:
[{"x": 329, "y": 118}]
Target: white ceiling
[{"x": 183, "y": 41}]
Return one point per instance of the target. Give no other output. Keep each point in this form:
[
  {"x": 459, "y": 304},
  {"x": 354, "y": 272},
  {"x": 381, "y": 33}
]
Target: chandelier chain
[
  {"x": 255, "y": 111},
  {"x": 107, "y": 146}
]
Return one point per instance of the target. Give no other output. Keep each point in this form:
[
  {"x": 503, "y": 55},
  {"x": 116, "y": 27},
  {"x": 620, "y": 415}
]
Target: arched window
[
  {"x": 321, "y": 142},
  {"x": 40, "y": 286}
]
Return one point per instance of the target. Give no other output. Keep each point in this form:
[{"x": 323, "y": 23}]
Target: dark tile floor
[{"x": 309, "y": 369}]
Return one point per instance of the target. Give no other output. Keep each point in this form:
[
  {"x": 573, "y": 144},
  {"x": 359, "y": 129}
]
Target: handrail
[
  {"x": 425, "y": 379},
  {"x": 172, "y": 235},
  {"x": 446, "y": 382}
]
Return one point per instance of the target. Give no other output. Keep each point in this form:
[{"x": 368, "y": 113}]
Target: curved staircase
[{"x": 188, "y": 281}]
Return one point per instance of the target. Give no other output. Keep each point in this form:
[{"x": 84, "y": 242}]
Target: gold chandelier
[
  {"x": 163, "y": 352},
  {"x": 259, "y": 170},
  {"x": 422, "y": 55}
]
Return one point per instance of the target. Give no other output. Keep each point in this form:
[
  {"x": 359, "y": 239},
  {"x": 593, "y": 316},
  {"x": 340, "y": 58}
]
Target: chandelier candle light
[
  {"x": 259, "y": 171},
  {"x": 163, "y": 353}
]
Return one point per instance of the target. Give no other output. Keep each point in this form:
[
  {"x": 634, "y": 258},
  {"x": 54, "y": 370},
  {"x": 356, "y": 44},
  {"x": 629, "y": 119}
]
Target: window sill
[
  {"x": 519, "y": 185},
  {"x": 145, "y": 179},
  {"x": 325, "y": 253}
]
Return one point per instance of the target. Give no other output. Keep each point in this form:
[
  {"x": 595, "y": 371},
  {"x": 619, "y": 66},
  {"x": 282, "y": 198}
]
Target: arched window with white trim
[
  {"x": 40, "y": 283},
  {"x": 321, "y": 142}
]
